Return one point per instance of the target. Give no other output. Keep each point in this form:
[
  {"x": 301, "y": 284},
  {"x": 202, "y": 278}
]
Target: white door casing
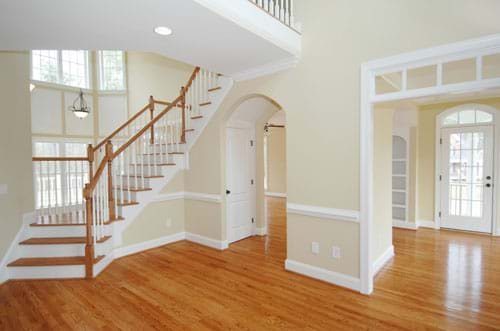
[
  {"x": 467, "y": 178},
  {"x": 240, "y": 191}
]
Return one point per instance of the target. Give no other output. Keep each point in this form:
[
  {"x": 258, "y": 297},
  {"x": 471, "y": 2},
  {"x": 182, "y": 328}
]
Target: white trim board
[
  {"x": 275, "y": 195},
  {"x": 404, "y": 225},
  {"x": 209, "y": 242},
  {"x": 323, "y": 212},
  {"x": 266, "y": 69},
  {"x": 402, "y": 63},
  {"x": 214, "y": 198},
  {"x": 323, "y": 274},
  {"x": 427, "y": 224},
  {"x": 150, "y": 244},
  {"x": 382, "y": 260}
]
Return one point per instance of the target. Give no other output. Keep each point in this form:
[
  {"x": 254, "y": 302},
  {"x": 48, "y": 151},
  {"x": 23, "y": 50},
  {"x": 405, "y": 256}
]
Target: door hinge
[
  {"x": 440, "y": 178},
  {"x": 253, "y": 220},
  {"x": 439, "y": 214},
  {"x": 251, "y": 143},
  {"x": 251, "y": 182},
  {"x": 440, "y": 141}
]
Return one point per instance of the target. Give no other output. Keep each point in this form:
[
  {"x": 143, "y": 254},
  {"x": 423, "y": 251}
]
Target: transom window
[
  {"x": 65, "y": 67},
  {"x": 467, "y": 117},
  {"x": 111, "y": 70}
]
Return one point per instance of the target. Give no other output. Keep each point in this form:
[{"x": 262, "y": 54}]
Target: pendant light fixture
[{"x": 80, "y": 108}]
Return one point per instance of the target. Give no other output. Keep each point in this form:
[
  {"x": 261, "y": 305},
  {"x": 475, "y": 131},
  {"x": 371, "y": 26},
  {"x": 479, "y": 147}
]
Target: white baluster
[
  {"x": 40, "y": 178},
  {"x": 292, "y": 16}
]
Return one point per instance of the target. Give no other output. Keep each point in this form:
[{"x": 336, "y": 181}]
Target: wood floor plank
[{"x": 438, "y": 280}]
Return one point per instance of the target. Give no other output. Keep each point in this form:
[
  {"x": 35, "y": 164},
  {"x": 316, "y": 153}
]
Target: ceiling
[{"x": 200, "y": 36}]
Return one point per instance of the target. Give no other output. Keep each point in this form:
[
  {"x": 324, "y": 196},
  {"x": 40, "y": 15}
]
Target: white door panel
[
  {"x": 467, "y": 178},
  {"x": 239, "y": 175}
]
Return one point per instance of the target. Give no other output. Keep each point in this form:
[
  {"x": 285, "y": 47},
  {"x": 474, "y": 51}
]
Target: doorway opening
[{"x": 252, "y": 167}]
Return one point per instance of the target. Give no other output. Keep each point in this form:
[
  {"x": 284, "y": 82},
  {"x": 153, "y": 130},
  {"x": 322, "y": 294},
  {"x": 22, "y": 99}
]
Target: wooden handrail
[
  {"x": 145, "y": 128},
  {"x": 121, "y": 127},
  {"x": 61, "y": 159},
  {"x": 98, "y": 173},
  {"x": 191, "y": 79}
]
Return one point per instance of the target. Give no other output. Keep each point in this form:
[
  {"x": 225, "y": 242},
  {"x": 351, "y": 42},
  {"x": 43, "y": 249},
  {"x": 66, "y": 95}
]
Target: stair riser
[
  {"x": 52, "y": 250},
  {"x": 126, "y": 196},
  {"x": 158, "y": 159},
  {"x": 134, "y": 182},
  {"x": 49, "y": 272},
  {"x": 169, "y": 148},
  {"x": 63, "y": 250},
  {"x": 61, "y": 231},
  {"x": 147, "y": 170}
]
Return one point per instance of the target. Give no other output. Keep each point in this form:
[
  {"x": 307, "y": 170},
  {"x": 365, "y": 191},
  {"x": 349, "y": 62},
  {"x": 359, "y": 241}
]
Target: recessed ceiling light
[{"x": 163, "y": 31}]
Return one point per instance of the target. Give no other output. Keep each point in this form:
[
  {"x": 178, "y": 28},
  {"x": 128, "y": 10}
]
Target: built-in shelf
[
  {"x": 398, "y": 190},
  {"x": 398, "y": 206},
  {"x": 398, "y": 160},
  {"x": 398, "y": 175}
]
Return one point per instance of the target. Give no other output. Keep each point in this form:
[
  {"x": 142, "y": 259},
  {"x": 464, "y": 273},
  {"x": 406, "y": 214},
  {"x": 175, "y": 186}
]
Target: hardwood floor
[{"x": 438, "y": 280}]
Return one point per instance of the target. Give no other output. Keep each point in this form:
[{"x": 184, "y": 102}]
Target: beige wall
[
  {"x": 276, "y": 160},
  {"x": 321, "y": 97},
  {"x": 153, "y": 74},
  {"x": 15, "y": 145},
  {"x": 427, "y": 153},
  {"x": 382, "y": 182},
  {"x": 156, "y": 220}
]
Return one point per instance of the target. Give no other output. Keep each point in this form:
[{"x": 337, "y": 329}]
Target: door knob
[{"x": 228, "y": 192}]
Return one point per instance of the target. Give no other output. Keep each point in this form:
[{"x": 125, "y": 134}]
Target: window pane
[
  {"x": 112, "y": 70},
  {"x": 74, "y": 71},
  {"x": 483, "y": 117},
  {"x": 467, "y": 117},
  {"x": 44, "y": 65},
  {"x": 451, "y": 120}
]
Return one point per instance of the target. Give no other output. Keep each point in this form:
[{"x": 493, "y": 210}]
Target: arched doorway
[{"x": 245, "y": 171}]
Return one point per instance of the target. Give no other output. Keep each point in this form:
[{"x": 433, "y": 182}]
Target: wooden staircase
[{"x": 74, "y": 237}]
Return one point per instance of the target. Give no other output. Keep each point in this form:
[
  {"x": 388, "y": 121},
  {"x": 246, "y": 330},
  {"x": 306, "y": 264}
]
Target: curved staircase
[{"x": 75, "y": 237}]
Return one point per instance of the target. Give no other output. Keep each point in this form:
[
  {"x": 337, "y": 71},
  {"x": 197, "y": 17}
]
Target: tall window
[
  {"x": 111, "y": 70},
  {"x": 59, "y": 182},
  {"x": 63, "y": 67}
]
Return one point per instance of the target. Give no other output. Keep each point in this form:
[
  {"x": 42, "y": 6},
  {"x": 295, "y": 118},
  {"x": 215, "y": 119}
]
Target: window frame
[
  {"x": 462, "y": 108},
  {"x": 60, "y": 75},
  {"x": 100, "y": 72}
]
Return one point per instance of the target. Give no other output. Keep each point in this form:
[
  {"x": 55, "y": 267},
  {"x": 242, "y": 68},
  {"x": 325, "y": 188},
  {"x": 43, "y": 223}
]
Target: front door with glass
[{"x": 467, "y": 178}]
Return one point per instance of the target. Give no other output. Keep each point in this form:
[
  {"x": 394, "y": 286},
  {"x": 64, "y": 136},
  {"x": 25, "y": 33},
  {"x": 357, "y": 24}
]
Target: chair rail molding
[{"x": 323, "y": 212}]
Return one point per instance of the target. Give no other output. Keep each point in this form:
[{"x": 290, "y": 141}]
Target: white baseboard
[
  {"x": 275, "y": 195},
  {"x": 324, "y": 275},
  {"x": 404, "y": 225},
  {"x": 133, "y": 249},
  {"x": 383, "y": 259},
  {"x": 205, "y": 241},
  {"x": 13, "y": 251},
  {"x": 260, "y": 231},
  {"x": 427, "y": 224}
]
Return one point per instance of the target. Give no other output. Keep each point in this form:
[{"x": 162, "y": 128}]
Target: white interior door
[
  {"x": 240, "y": 197},
  {"x": 467, "y": 178}
]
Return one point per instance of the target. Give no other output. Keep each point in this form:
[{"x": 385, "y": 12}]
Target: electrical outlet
[
  {"x": 315, "y": 248},
  {"x": 336, "y": 253},
  {"x": 4, "y": 189},
  {"x": 169, "y": 222}
]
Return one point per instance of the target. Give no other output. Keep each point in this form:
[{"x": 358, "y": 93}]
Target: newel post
[
  {"x": 89, "y": 244},
  {"x": 111, "y": 198},
  {"x": 183, "y": 105},
  {"x": 151, "y": 110},
  {"x": 90, "y": 157}
]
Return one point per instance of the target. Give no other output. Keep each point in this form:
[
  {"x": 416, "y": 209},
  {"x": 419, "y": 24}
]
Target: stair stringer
[{"x": 181, "y": 162}]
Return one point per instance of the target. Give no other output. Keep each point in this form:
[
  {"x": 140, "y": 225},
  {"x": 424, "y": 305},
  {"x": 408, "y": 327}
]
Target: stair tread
[
  {"x": 196, "y": 117},
  {"x": 73, "y": 224},
  {"x": 152, "y": 165},
  {"x": 133, "y": 189},
  {"x": 60, "y": 241},
  {"x": 189, "y": 130},
  {"x": 215, "y": 89},
  {"x": 126, "y": 203},
  {"x": 51, "y": 261},
  {"x": 145, "y": 177}
]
